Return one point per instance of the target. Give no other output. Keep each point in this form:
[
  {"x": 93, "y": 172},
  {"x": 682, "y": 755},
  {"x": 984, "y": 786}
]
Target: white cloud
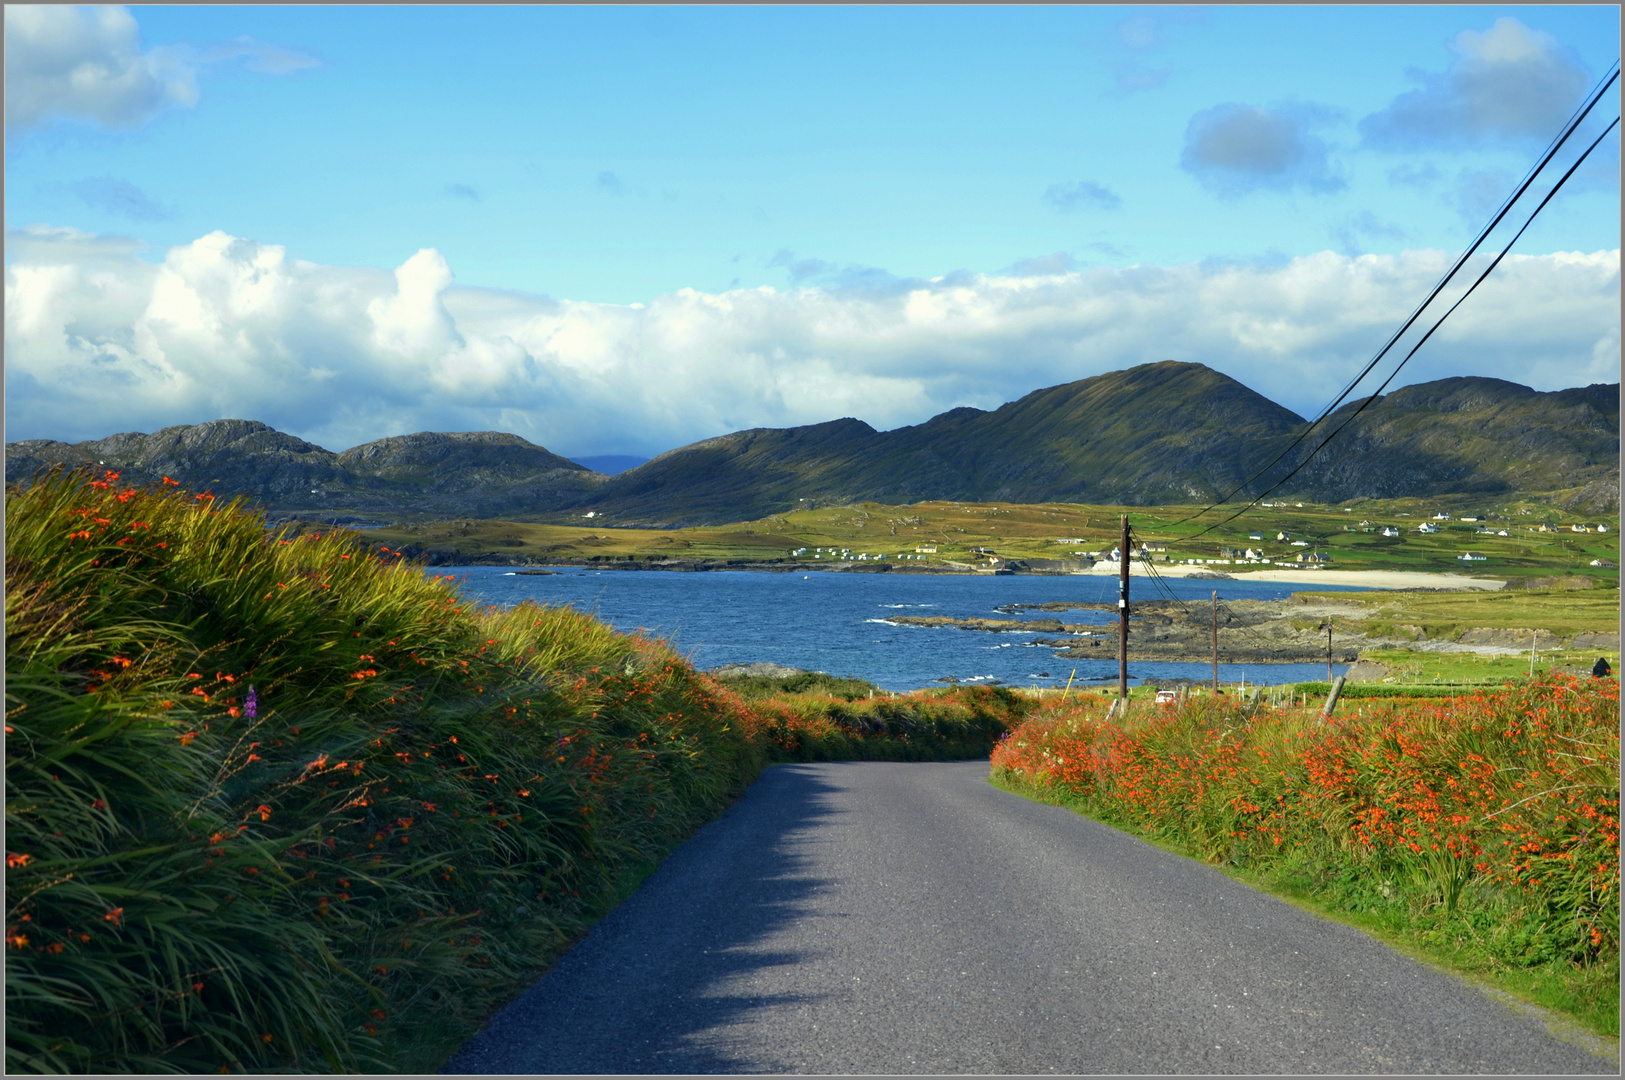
[
  {"x": 85, "y": 63},
  {"x": 98, "y": 341},
  {"x": 1233, "y": 149},
  {"x": 1508, "y": 83}
]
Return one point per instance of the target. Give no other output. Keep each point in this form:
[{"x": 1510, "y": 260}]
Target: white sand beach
[{"x": 1371, "y": 579}]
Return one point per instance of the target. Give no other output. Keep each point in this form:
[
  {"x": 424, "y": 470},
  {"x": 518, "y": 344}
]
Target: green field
[{"x": 1037, "y": 531}]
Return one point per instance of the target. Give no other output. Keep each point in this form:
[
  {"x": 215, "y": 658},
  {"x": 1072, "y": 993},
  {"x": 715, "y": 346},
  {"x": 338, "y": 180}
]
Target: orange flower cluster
[{"x": 1520, "y": 785}]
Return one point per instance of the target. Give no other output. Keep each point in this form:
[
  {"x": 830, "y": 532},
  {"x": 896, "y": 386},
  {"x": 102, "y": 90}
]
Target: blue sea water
[{"x": 836, "y": 622}]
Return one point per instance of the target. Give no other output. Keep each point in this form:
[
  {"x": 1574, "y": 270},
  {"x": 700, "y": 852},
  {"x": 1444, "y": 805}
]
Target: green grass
[
  {"x": 1406, "y": 919},
  {"x": 1479, "y": 832},
  {"x": 282, "y": 804},
  {"x": 1025, "y": 531},
  {"x": 1563, "y": 612}
]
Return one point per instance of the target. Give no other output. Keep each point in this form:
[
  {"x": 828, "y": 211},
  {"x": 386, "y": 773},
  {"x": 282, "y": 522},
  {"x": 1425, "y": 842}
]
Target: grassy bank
[
  {"x": 1480, "y": 832},
  {"x": 284, "y": 804},
  {"x": 956, "y": 533}
]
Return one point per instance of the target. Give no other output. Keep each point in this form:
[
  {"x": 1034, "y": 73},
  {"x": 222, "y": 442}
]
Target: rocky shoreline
[{"x": 1289, "y": 631}]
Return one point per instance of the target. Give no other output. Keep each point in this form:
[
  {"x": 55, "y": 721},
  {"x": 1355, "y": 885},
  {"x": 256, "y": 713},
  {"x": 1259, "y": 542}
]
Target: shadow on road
[{"x": 655, "y": 985}]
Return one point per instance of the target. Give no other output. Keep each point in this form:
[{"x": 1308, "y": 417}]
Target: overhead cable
[
  {"x": 1377, "y": 396},
  {"x": 1506, "y": 206}
]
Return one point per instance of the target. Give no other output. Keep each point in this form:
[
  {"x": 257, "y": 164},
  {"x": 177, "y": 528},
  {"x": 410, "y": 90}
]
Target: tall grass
[
  {"x": 1485, "y": 824},
  {"x": 282, "y": 804}
]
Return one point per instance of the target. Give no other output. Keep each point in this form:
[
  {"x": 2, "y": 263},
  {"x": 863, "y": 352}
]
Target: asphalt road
[{"x": 869, "y": 917}]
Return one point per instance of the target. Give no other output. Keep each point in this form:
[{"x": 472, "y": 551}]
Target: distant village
[{"x": 1157, "y": 551}]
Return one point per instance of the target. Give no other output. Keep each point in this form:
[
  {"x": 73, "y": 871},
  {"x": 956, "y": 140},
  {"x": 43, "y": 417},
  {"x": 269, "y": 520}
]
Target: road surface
[{"x": 872, "y": 917}]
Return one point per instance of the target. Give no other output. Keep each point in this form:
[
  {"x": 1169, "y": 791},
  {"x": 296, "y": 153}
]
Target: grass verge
[
  {"x": 285, "y": 804},
  {"x": 1478, "y": 834}
]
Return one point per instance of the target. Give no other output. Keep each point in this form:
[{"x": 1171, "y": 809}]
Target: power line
[
  {"x": 1377, "y": 396},
  {"x": 1506, "y": 206}
]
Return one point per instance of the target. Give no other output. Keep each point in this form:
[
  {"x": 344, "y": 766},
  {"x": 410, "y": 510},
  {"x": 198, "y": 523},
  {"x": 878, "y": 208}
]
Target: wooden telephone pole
[
  {"x": 1215, "y": 642},
  {"x": 1122, "y": 614}
]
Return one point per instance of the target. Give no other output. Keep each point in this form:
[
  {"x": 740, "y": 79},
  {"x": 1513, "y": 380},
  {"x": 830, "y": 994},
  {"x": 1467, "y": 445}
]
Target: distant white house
[
  {"x": 1602, "y": 528},
  {"x": 1578, "y": 528},
  {"x": 1300, "y": 543},
  {"x": 1468, "y": 556},
  {"x": 1503, "y": 532},
  {"x": 1601, "y": 562},
  {"x": 1470, "y": 517},
  {"x": 1427, "y": 527},
  {"x": 1254, "y": 553},
  {"x": 927, "y": 549},
  {"x": 1255, "y": 536},
  {"x": 1388, "y": 530},
  {"x": 1283, "y": 536},
  {"x": 1441, "y": 517}
]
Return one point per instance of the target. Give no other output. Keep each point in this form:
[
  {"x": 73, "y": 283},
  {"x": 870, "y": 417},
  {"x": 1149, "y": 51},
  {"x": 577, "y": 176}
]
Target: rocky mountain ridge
[{"x": 1155, "y": 434}]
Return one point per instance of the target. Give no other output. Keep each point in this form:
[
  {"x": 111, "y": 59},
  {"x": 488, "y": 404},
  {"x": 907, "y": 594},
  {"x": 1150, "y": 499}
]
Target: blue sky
[{"x": 561, "y": 166}]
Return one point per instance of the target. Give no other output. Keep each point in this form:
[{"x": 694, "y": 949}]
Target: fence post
[{"x": 1331, "y": 699}]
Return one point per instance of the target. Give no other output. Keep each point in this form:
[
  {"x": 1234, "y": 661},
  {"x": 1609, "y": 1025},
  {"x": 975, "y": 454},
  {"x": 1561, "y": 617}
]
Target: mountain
[
  {"x": 1158, "y": 433},
  {"x": 466, "y": 474},
  {"x": 1155, "y": 434},
  {"x": 1472, "y": 436}
]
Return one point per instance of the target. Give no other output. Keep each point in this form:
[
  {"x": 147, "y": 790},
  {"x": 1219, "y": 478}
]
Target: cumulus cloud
[
  {"x": 1507, "y": 84},
  {"x": 86, "y": 63},
  {"x": 1081, "y": 195},
  {"x": 119, "y": 197},
  {"x": 1234, "y": 149},
  {"x": 98, "y": 340}
]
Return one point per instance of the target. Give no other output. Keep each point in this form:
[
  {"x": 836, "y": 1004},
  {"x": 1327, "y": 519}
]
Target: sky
[{"x": 617, "y": 230}]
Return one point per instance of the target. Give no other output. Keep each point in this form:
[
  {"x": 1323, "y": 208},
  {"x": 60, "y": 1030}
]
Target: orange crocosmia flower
[
  {"x": 116, "y": 916},
  {"x": 264, "y": 811},
  {"x": 14, "y": 861},
  {"x": 19, "y": 941}
]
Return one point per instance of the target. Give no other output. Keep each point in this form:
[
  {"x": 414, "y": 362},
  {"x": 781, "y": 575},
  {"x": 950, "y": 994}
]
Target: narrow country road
[{"x": 871, "y": 917}]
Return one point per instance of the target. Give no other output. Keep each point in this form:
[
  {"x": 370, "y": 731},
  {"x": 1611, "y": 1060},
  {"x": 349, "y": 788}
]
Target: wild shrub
[
  {"x": 276, "y": 803},
  {"x": 1493, "y": 814}
]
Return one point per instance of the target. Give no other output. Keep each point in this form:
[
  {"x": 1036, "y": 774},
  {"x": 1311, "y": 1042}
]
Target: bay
[{"x": 836, "y": 622}]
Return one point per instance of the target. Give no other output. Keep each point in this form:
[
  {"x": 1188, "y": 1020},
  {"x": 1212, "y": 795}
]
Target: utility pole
[
  {"x": 1215, "y": 643},
  {"x": 1329, "y": 647},
  {"x": 1122, "y": 614}
]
